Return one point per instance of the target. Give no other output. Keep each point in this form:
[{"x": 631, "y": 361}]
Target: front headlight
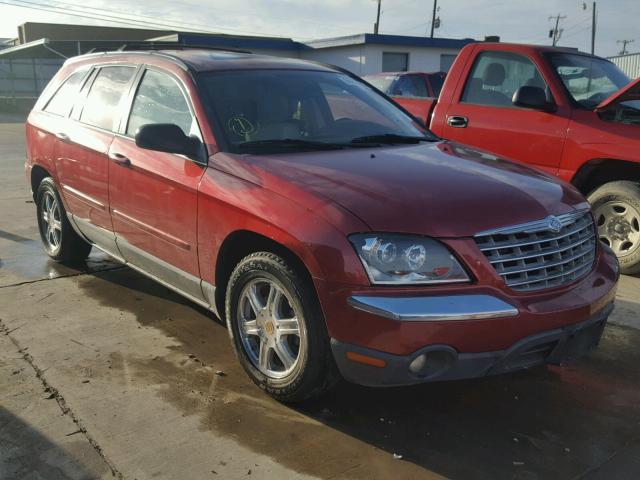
[{"x": 406, "y": 259}]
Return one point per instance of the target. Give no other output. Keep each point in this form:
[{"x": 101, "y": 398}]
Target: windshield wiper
[
  {"x": 391, "y": 138},
  {"x": 290, "y": 143}
]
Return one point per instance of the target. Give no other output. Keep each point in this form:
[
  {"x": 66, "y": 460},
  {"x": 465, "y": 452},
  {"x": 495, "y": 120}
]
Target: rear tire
[
  {"x": 277, "y": 329},
  {"x": 616, "y": 208},
  {"x": 60, "y": 240}
]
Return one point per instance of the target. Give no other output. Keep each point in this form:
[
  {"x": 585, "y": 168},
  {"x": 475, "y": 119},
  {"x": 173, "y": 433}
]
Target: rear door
[
  {"x": 81, "y": 151},
  {"x": 153, "y": 194},
  {"x": 482, "y": 113}
]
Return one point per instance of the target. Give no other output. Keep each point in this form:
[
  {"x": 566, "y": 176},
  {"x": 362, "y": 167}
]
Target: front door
[
  {"x": 153, "y": 195},
  {"x": 81, "y": 153},
  {"x": 483, "y": 115}
]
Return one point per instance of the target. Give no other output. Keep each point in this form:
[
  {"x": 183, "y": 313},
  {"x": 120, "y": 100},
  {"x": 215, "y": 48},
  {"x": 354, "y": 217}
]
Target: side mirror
[
  {"x": 532, "y": 97},
  {"x": 167, "y": 137}
]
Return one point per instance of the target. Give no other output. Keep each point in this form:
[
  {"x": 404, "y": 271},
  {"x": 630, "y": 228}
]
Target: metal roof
[{"x": 399, "y": 40}]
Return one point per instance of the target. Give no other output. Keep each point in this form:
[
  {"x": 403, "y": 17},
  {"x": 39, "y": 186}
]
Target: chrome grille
[{"x": 548, "y": 253}]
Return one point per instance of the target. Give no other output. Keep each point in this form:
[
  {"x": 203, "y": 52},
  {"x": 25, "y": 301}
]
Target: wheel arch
[
  {"x": 38, "y": 173},
  {"x": 598, "y": 171},
  {"x": 239, "y": 244}
]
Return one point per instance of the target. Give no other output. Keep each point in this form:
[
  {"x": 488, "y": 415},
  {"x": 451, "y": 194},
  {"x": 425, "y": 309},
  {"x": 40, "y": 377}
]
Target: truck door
[{"x": 482, "y": 114}]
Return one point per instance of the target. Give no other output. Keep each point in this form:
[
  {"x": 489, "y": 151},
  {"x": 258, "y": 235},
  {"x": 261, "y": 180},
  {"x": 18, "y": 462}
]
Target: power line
[
  {"x": 96, "y": 16},
  {"x": 140, "y": 21},
  {"x": 396, "y": 6}
]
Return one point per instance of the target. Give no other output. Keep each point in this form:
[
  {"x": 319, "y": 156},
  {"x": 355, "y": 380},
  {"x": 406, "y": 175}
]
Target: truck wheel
[
  {"x": 60, "y": 240},
  {"x": 277, "y": 329},
  {"x": 616, "y": 208}
]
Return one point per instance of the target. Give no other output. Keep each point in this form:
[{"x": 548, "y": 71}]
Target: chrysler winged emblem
[{"x": 554, "y": 224}]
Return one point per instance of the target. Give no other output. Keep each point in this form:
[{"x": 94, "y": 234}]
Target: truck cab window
[{"x": 496, "y": 76}]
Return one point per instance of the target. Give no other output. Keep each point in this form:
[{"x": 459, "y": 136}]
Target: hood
[
  {"x": 631, "y": 91},
  {"x": 436, "y": 189}
]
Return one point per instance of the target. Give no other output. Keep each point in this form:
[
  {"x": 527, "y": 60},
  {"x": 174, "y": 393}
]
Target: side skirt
[{"x": 192, "y": 288}]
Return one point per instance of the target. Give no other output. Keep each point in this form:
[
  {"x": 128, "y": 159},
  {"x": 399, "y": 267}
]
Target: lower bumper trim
[{"x": 442, "y": 362}]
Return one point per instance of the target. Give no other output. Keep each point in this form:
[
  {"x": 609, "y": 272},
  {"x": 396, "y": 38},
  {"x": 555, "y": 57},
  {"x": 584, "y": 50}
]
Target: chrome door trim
[
  {"x": 177, "y": 242},
  {"x": 162, "y": 271},
  {"x": 83, "y": 197},
  {"x": 188, "y": 296}
]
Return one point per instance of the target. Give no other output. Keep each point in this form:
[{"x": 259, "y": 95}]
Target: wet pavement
[{"x": 150, "y": 386}]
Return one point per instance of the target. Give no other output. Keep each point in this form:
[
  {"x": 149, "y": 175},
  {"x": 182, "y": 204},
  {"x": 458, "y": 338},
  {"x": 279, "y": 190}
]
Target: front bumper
[{"x": 443, "y": 362}]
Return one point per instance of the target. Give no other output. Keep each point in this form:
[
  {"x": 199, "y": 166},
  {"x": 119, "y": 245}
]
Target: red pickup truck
[{"x": 573, "y": 115}]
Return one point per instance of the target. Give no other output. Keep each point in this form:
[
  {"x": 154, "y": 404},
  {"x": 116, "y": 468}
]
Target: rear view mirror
[
  {"x": 532, "y": 97},
  {"x": 169, "y": 138}
]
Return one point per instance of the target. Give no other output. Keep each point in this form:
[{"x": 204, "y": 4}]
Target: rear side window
[
  {"x": 62, "y": 100},
  {"x": 160, "y": 99},
  {"x": 410, "y": 86},
  {"x": 101, "y": 108},
  {"x": 497, "y": 75}
]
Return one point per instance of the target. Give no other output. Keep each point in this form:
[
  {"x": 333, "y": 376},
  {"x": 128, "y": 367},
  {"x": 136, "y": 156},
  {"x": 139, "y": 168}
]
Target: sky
[{"x": 514, "y": 21}]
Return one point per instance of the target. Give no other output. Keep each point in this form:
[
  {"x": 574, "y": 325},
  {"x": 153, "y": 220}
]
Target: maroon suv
[{"x": 332, "y": 232}]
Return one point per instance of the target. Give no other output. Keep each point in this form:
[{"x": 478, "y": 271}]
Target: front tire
[
  {"x": 60, "y": 240},
  {"x": 616, "y": 208},
  {"x": 277, "y": 329}
]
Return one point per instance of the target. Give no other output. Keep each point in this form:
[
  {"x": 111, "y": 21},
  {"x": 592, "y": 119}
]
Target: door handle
[
  {"x": 457, "y": 122},
  {"x": 63, "y": 137},
  {"x": 119, "y": 159}
]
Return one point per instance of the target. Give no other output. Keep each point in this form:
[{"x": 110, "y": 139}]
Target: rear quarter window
[{"x": 62, "y": 101}]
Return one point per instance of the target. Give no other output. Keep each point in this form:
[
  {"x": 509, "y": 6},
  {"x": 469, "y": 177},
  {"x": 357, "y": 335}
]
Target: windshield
[
  {"x": 303, "y": 110},
  {"x": 589, "y": 80}
]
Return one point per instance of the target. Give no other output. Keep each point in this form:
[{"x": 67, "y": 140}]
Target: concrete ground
[{"x": 104, "y": 373}]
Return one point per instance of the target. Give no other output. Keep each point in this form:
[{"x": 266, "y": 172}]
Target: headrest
[{"x": 494, "y": 75}]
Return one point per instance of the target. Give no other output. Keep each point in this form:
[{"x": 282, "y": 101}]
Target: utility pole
[
  {"x": 556, "y": 33},
  {"x": 624, "y": 45},
  {"x": 377, "y": 24},
  {"x": 433, "y": 17},
  {"x": 593, "y": 29}
]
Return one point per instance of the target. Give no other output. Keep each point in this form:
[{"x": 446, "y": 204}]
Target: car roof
[
  {"x": 204, "y": 60},
  {"x": 530, "y": 47},
  {"x": 397, "y": 74}
]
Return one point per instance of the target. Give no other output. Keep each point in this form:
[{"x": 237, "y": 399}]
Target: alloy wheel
[
  {"x": 270, "y": 328},
  {"x": 51, "y": 221}
]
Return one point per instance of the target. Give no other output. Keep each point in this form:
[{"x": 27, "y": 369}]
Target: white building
[
  {"x": 368, "y": 53},
  {"x": 32, "y": 58},
  {"x": 361, "y": 54},
  {"x": 629, "y": 64}
]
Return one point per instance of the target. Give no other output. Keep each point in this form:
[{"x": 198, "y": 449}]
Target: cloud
[{"x": 513, "y": 21}]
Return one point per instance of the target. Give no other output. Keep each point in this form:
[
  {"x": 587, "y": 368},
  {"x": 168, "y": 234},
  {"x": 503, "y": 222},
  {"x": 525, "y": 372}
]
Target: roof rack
[{"x": 174, "y": 46}]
